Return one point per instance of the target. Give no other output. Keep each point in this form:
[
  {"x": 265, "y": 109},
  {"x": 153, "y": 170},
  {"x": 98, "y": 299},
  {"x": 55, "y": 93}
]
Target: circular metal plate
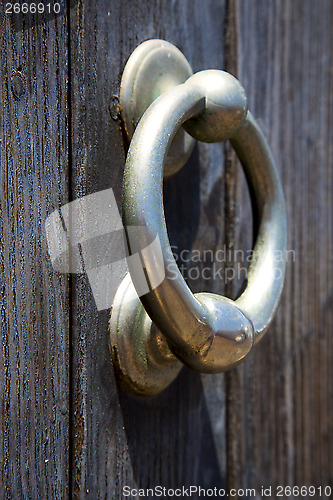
[
  {"x": 144, "y": 363},
  {"x": 153, "y": 68}
]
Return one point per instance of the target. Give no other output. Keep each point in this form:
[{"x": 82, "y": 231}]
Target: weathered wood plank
[
  {"x": 279, "y": 403},
  {"x": 34, "y": 308},
  {"x": 280, "y": 428},
  {"x": 118, "y": 440}
]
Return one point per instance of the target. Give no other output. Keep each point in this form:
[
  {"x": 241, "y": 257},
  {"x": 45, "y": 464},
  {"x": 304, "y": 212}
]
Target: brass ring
[{"x": 207, "y": 332}]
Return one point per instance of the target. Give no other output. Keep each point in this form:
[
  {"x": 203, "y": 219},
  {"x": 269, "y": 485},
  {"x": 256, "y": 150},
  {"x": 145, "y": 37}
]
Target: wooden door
[{"x": 67, "y": 428}]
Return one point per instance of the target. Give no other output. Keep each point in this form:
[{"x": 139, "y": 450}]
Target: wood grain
[
  {"x": 67, "y": 428},
  {"x": 34, "y": 417},
  {"x": 118, "y": 440},
  {"x": 280, "y": 428}
]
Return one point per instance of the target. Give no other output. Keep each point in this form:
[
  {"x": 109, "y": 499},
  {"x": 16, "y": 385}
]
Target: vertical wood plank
[
  {"x": 34, "y": 299},
  {"x": 279, "y": 403},
  {"x": 175, "y": 438},
  {"x": 280, "y": 427}
]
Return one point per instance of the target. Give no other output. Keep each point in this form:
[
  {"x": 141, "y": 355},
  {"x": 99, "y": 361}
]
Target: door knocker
[{"x": 165, "y": 108}]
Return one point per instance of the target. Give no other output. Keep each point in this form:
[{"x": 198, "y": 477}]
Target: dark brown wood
[
  {"x": 118, "y": 440},
  {"x": 280, "y": 428},
  {"x": 67, "y": 428},
  {"x": 34, "y": 416}
]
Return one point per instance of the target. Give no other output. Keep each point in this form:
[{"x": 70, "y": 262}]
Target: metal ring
[{"x": 207, "y": 332}]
